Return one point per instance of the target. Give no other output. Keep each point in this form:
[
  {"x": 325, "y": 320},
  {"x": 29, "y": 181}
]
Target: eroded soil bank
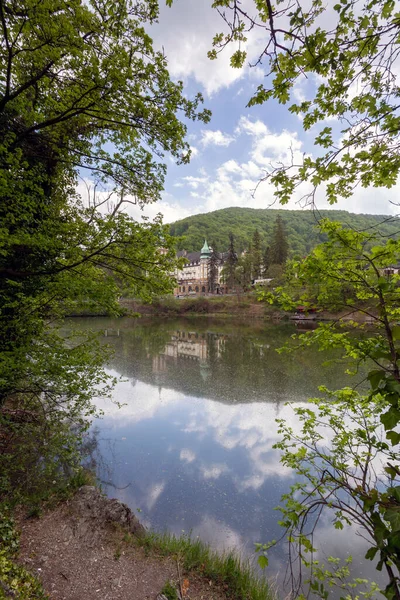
[{"x": 89, "y": 548}]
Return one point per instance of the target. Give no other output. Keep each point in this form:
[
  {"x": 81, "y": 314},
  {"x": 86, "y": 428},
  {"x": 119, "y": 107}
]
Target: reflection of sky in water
[{"x": 192, "y": 463}]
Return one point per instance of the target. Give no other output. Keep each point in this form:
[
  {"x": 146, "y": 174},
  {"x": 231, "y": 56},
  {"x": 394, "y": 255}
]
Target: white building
[{"x": 193, "y": 279}]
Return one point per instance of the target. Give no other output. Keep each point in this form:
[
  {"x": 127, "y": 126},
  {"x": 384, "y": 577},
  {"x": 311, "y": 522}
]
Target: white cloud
[
  {"x": 185, "y": 31},
  {"x": 215, "y": 138},
  {"x": 236, "y": 183},
  {"x": 194, "y": 182},
  {"x": 270, "y": 147},
  {"x": 168, "y": 206},
  {"x": 233, "y": 183}
]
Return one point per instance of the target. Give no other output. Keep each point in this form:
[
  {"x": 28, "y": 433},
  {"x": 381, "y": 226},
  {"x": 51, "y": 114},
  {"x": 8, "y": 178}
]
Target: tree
[
  {"x": 230, "y": 263},
  {"x": 243, "y": 271},
  {"x": 279, "y": 244},
  {"x": 351, "y": 66},
  {"x": 347, "y": 51},
  {"x": 266, "y": 261},
  {"x": 84, "y": 94},
  {"x": 357, "y": 476},
  {"x": 256, "y": 255},
  {"x": 212, "y": 270}
]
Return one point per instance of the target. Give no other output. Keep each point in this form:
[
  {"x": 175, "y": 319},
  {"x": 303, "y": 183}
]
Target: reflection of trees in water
[
  {"x": 229, "y": 363},
  {"x": 94, "y": 460}
]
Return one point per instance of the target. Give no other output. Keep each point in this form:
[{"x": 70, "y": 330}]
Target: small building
[
  {"x": 193, "y": 278},
  {"x": 391, "y": 270}
]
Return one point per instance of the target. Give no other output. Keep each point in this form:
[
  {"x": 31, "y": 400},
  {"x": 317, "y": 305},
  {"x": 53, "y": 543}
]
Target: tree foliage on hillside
[
  {"x": 301, "y": 227},
  {"x": 82, "y": 93}
]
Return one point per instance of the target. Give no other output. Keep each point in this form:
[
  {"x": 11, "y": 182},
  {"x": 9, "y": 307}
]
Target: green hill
[{"x": 300, "y": 227}]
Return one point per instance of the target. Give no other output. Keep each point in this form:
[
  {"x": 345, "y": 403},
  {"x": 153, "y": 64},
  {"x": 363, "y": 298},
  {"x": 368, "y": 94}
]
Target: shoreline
[
  {"x": 247, "y": 308},
  {"x": 90, "y": 546}
]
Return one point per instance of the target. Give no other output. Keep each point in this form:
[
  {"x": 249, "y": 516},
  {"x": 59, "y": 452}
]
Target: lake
[{"x": 191, "y": 449}]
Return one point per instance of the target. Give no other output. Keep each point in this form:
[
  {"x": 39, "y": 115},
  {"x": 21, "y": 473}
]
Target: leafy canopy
[
  {"x": 345, "y": 55},
  {"x": 346, "y": 453},
  {"x": 83, "y": 94}
]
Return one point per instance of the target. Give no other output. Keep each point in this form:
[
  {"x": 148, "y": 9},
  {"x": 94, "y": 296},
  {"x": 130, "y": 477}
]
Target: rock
[{"x": 89, "y": 503}]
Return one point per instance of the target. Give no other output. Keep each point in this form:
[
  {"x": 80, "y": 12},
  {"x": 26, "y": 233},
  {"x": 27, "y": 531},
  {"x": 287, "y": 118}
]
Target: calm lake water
[{"x": 192, "y": 448}]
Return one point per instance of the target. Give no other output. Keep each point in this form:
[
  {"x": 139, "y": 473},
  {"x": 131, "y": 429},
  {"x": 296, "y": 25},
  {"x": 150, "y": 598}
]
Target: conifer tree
[
  {"x": 231, "y": 262},
  {"x": 266, "y": 261},
  {"x": 279, "y": 245},
  {"x": 257, "y": 258},
  {"x": 212, "y": 270}
]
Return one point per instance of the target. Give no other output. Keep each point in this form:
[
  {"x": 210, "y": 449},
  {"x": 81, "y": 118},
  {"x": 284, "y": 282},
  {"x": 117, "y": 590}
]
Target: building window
[
  {"x": 197, "y": 288},
  {"x": 189, "y": 288},
  {"x": 183, "y": 288},
  {"x": 203, "y": 289}
]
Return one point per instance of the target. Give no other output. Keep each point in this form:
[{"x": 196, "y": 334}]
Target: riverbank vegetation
[
  {"x": 347, "y": 451},
  {"x": 85, "y": 100},
  {"x": 85, "y": 97},
  {"x": 244, "y": 304},
  {"x": 346, "y": 454},
  {"x": 227, "y": 570}
]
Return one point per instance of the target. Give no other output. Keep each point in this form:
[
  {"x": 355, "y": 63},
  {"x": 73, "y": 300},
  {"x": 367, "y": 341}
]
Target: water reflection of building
[{"x": 189, "y": 346}]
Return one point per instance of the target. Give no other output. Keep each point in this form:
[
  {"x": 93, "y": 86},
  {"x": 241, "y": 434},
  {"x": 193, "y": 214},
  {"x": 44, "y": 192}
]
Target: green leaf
[
  {"x": 390, "y": 419},
  {"x": 396, "y": 332},
  {"x": 393, "y": 437},
  {"x": 393, "y": 516},
  {"x": 375, "y": 377},
  {"x": 371, "y": 553},
  {"x": 262, "y": 561}
]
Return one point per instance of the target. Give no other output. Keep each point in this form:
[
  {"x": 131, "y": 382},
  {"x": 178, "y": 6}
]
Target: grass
[{"x": 234, "y": 575}]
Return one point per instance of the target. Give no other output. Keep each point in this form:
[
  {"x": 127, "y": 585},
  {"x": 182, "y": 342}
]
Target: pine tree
[
  {"x": 279, "y": 245},
  {"x": 212, "y": 270},
  {"x": 266, "y": 261},
  {"x": 231, "y": 262},
  {"x": 256, "y": 256}
]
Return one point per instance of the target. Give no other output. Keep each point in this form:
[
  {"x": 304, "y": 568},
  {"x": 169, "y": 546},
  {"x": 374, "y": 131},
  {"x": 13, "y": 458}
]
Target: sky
[{"x": 230, "y": 154}]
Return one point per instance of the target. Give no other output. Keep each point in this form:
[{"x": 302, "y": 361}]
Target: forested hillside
[{"x": 300, "y": 226}]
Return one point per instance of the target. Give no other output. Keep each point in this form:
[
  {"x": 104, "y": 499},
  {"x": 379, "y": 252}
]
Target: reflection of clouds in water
[
  {"x": 214, "y": 471},
  {"x": 218, "y": 534},
  {"x": 347, "y": 542},
  {"x": 154, "y": 493},
  {"x": 249, "y": 427},
  {"x": 187, "y": 455},
  {"x": 138, "y": 403}
]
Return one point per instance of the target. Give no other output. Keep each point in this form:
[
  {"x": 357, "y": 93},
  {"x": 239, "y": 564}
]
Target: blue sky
[{"x": 231, "y": 153}]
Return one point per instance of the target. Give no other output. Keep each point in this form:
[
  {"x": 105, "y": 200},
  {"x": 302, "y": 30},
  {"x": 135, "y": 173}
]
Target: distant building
[
  {"x": 391, "y": 270},
  {"x": 193, "y": 279}
]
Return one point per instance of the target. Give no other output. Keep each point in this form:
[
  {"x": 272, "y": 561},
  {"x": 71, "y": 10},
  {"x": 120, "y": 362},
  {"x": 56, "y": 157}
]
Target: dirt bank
[{"x": 89, "y": 548}]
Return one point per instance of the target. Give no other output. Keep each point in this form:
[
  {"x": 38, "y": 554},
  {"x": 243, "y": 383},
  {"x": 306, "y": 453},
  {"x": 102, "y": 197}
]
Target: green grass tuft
[
  {"x": 169, "y": 591},
  {"x": 228, "y": 570}
]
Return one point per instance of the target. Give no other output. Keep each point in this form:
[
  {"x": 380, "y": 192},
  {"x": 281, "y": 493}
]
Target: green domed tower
[{"x": 205, "y": 251}]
